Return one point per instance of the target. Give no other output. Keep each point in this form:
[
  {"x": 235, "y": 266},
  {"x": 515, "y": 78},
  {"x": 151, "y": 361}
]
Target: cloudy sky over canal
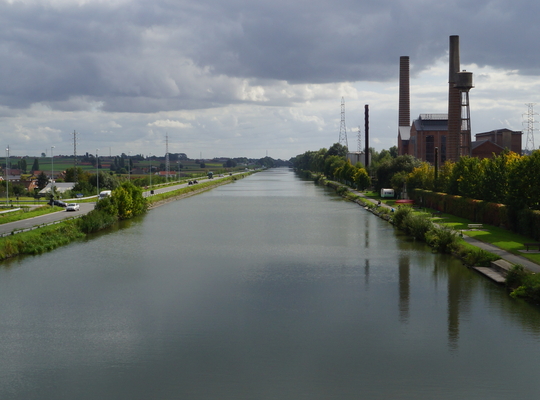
[{"x": 247, "y": 78}]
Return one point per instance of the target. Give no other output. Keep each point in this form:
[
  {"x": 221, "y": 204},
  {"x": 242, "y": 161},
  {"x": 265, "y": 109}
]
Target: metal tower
[
  {"x": 359, "y": 141},
  {"x": 529, "y": 144},
  {"x": 342, "y": 128},
  {"x": 75, "y": 156}
]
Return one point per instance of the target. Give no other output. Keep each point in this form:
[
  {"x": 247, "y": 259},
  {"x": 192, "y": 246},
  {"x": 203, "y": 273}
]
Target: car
[
  {"x": 59, "y": 203},
  {"x": 72, "y": 207}
]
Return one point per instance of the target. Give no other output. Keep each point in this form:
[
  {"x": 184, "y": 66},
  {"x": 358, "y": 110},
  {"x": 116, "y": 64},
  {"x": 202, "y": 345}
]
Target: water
[{"x": 267, "y": 288}]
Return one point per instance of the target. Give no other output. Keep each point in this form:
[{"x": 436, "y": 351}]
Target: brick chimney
[
  {"x": 404, "y": 93},
  {"x": 454, "y": 103}
]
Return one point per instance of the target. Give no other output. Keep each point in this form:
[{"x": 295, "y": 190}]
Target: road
[
  {"x": 44, "y": 219},
  {"x": 29, "y": 223}
]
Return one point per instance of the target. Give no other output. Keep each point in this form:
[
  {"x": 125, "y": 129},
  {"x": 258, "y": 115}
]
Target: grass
[
  {"x": 502, "y": 238},
  {"x": 39, "y": 240},
  {"x": 25, "y": 213}
]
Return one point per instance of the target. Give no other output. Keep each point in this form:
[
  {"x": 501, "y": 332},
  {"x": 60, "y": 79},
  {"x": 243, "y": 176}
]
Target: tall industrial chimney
[
  {"x": 366, "y": 130},
  {"x": 404, "y": 92},
  {"x": 454, "y": 102}
]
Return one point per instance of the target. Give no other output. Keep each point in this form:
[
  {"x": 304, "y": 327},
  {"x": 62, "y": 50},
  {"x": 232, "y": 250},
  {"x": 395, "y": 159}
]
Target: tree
[
  {"x": 361, "y": 178},
  {"x": 82, "y": 176},
  {"x": 42, "y": 180},
  {"x": 18, "y": 190},
  {"x": 337, "y": 149},
  {"x": 35, "y": 165},
  {"x": 23, "y": 165}
]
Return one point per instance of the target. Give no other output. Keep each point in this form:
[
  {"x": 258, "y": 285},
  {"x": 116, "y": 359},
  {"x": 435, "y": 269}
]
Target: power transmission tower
[
  {"x": 342, "y": 128},
  {"x": 167, "y": 165},
  {"x": 359, "y": 141},
  {"x": 75, "y": 156},
  {"x": 529, "y": 143}
]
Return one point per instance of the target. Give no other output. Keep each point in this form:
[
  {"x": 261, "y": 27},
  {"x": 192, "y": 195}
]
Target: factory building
[{"x": 450, "y": 132}]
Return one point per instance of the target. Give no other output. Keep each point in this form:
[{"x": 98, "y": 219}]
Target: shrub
[
  {"x": 516, "y": 276},
  {"x": 96, "y": 220},
  {"x": 530, "y": 289},
  {"x": 479, "y": 258},
  {"x": 400, "y": 215},
  {"x": 442, "y": 239},
  {"x": 417, "y": 226},
  {"x": 341, "y": 190}
]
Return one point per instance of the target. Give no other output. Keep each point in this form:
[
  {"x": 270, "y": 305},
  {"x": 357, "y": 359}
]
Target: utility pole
[
  {"x": 74, "y": 156},
  {"x": 167, "y": 165}
]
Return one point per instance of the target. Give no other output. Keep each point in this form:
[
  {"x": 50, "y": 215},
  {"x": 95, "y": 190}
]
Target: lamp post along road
[
  {"x": 7, "y": 176},
  {"x": 97, "y": 172},
  {"x": 52, "y": 169}
]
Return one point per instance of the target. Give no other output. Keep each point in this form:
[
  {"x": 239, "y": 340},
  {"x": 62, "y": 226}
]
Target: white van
[{"x": 103, "y": 194}]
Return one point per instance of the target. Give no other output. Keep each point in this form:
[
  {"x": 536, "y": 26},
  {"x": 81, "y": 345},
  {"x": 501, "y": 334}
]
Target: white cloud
[{"x": 170, "y": 124}]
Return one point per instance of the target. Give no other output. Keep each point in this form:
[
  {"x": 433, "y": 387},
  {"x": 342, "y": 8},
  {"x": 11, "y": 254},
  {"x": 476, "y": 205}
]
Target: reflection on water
[
  {"x": 267, "y": 288},
  {"x": 404, "y": 288}
]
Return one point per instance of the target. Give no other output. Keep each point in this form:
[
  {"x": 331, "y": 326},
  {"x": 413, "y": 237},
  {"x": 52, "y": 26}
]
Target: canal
[{"x": 267, "y": 288}]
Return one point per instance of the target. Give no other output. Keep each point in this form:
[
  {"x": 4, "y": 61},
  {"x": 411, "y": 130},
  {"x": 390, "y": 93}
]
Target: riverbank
[
  {"x": 48, "y": 238},
  {"x": 474, "y": 253}
]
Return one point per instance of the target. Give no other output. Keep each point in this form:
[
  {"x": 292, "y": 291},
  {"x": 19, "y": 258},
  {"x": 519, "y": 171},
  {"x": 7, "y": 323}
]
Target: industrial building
[{"x": 450, "y": 133}]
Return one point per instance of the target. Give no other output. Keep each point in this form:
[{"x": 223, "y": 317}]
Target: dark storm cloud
[{"x": 152, "y": 55}]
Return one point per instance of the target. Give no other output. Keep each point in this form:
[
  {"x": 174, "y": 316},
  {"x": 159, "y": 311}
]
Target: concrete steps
[{"x": 497, "y": 270}]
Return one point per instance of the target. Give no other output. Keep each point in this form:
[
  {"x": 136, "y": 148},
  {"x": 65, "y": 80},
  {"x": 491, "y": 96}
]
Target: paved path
[{"x": 505, "y": 255}]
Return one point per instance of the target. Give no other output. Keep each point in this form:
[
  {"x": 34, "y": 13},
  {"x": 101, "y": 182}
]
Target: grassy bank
[
  {"x": 40, "y": 240},
  {"x": 25, "y": 213},
  {"x": 50, "y": 237}
]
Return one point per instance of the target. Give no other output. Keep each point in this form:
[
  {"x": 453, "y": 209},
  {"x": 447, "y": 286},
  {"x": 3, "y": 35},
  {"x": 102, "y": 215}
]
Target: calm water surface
[{"x": 267, "y": 288}]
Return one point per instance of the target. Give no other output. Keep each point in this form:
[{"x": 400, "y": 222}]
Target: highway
[{"x": 25, "y": 224}]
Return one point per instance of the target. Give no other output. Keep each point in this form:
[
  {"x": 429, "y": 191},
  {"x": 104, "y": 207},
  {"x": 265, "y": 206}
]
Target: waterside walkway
[{"x": 505, "y": 255}]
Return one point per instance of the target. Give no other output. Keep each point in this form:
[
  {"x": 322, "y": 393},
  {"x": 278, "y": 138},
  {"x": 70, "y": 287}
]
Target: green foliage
[
  {"x": 516, "y": 276},
  {"x": 475, "y": 257},
  {"x": 388, "y": 168},
  {"x": 96, "y": 220},
  {"x": 400, "y": 215},
  {"x": 524, "y": 284},
  {"x": 39, "y": 240},
  {"x": 42, "y": 180},
  {"x": 125, "y": 202},
  {"x": 337, "y": 149},
  {"x": 417, "y": 225},
  {"x": 35, "y": 165},
  {"x": 442, "y": 239}
]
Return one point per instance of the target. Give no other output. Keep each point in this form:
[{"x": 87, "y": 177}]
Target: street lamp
[
  {"x": 97, "y": 172},
  {"x": 7, "y": 176},
  {"x": 150, "y": 156},
  {"x": 52, "y": 167}
]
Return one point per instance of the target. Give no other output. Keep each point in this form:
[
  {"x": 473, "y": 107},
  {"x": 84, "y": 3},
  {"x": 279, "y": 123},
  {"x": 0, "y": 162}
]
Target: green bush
[
  {"x": 400, "y": 215},
  {"x": 96, "y": 220},
  {"x": 516, "y": 276},
  {"x": 442, "y": 239},
  {"x": 417, "y": 226},
  {"x": 530, "y": 289},
  {"x": 475, "y": 257}
]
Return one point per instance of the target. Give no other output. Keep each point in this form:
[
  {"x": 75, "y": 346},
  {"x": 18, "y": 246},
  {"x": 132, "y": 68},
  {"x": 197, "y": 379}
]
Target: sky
[{"x": 246, "y": 78}]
